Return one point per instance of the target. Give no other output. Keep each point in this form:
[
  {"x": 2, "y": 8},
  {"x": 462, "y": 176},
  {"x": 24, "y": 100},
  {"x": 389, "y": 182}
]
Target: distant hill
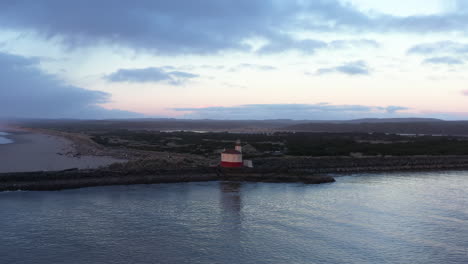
[
  {"x": 413, "y": 127},
  {"x": 390, "y": 125},
  {"x": 162, "y": 124},
  {"x": 394, "y": 120}
]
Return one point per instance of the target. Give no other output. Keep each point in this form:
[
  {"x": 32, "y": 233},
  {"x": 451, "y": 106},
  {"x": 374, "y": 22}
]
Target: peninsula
[{"x": 64, "y": 155}]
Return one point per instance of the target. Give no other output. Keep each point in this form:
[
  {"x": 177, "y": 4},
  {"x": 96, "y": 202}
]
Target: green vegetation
[
  {"x": 310, "y": 144},
  {"x": 295, "y": 144},
  {"x": 146, "y": 135},
  {"x": 187, "y": 142}
]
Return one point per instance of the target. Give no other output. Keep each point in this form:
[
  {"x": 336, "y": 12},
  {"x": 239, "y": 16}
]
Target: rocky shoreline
[
  {"x": 308, "y": 170},
  {"x": 321, "y": 165},
  {"x": 73, "y": 179}
]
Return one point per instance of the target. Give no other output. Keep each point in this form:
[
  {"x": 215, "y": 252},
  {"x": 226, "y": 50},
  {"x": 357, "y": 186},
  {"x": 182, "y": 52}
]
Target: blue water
[
  {"x": 373, "y": 218},
  {"x": 4, "y": 140}
]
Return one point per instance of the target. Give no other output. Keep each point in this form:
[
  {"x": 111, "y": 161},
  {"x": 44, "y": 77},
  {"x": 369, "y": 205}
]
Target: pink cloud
[{"x": 465, "y": 92}]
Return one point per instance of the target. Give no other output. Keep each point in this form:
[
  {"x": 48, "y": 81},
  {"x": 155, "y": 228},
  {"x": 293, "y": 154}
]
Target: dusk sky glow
[{"x": 243, "y": 59}]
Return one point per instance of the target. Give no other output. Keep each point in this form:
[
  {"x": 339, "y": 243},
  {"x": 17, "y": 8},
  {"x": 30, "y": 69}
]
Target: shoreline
[
  {"x": 85, "y": 146},
  {"x": 45, "y": 160},
  {"x": 33, "y": 151},
  {"x": 5, "y": 138},
  {"x": 74, "y": 178}
]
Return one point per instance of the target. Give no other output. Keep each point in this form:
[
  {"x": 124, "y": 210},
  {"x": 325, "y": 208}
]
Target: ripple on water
[{"x": 373, "y": 218}]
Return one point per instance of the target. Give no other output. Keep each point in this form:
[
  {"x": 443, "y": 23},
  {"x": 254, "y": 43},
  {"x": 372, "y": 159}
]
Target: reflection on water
[
  {"x": 231, "y": 197},
  {"x": 231, "y": 206},
  {"x": 386, "y": 218}
]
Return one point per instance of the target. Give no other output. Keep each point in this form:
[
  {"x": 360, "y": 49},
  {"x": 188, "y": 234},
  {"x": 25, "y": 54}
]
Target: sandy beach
[{"x": 42, "y": 152}]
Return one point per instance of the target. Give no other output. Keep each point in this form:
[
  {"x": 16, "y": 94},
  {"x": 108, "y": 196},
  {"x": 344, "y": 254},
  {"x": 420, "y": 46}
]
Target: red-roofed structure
[{"x": 232, "y": 158}]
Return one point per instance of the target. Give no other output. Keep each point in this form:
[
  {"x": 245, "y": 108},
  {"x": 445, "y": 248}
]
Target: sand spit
[
  {"x": 85, "y": 146},
  {"x": 42, "y": 152}
]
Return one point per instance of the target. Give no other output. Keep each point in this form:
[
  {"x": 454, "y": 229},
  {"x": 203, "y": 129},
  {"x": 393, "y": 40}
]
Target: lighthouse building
[{"x": 232, "y": 158}]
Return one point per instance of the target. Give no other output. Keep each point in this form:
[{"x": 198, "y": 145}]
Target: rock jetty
[
  {"x": 309, "y": 170},
  {"x": 72, "y": 179},
  {"x": 324, "y": 165}
]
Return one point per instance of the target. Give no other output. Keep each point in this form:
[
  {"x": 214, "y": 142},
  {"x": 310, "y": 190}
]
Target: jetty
[
  {"x": 74, "y": 178},
  {"x": 307, "y": 170}
]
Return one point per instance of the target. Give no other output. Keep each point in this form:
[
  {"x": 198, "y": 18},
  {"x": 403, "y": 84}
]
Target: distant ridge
[
  {"x": 394, "y": 120},
  {"x": 367, "y": 125},
  {"x": 422, "y": 127}
]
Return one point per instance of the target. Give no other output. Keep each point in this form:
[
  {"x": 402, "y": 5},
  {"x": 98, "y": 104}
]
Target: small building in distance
[{"x": 232, "y": 158}]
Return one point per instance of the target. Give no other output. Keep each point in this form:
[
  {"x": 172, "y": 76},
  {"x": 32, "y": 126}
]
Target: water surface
[
  {"x": 3, "y": 139},
  {"x": 373, "y": 218}
]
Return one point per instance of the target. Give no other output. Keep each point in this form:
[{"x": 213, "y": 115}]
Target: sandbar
[{"x": 41, "y": 152}]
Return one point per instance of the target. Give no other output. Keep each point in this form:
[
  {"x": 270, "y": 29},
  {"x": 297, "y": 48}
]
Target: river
[
  {"x": 3, "y": 139},
  {"x": 367, "y": 218}
]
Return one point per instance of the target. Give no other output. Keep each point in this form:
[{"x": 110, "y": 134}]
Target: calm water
[
  {"x": 4, "y": 140},
  {"x": 386, "y": 218}
]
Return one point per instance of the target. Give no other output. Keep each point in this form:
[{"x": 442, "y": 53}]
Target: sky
[{"x": 226, "y": 59}]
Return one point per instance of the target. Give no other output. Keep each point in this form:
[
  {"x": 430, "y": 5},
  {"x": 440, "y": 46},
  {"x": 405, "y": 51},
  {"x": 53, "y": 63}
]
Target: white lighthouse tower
[{"x": 232, "y": 158}]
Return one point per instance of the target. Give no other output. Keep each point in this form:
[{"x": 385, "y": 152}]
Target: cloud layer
[
  {"x": 209, "y": 26},
  {"x": 441, "y": 52},
  {"x": 27, "y": 92},
  {"x": 443, "y": 60},
  {"x": 440, "y": 47},
  {"x": 229, "y": 32},
  {"x": 152, "y": 74},
  {"x": 350, "y": 68}
]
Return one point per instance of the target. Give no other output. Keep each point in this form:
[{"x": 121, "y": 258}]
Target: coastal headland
[
  {"x": 57, "y": 158},
  {"x": 308, "y": 171}
]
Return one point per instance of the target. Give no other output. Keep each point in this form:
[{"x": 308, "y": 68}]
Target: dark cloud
[
  {"x": 441, "y": 47},
  {"x": 27, "y": 92},
  {"x": 285, "y": 43},
  {"x": 310, "y": 46},
  {"x": 465, "y": 92},
  {"x": 454, "y": 21},
  {"x": 393, "y": 109},
  {"x": 170, "y": 27},
  {"x": 350, "y": 68},
  {"x": 447, "y": 52},
  {"x": 322, "y": 111},
  {"x": 152, "y": 74},
  {"x": 209, "y": 26},
  {"x": 443, "y": 60}
]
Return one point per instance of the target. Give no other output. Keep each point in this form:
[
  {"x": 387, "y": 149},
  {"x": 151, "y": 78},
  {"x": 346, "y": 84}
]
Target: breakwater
[
  {"x": 72, "y": 179},
  {"x": 320, "y": 165},
  {"x": 309, "y": 170}
]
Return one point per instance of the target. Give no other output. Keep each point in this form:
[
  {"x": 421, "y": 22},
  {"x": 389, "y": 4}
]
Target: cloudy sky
[{"x": 234, "y": 59}]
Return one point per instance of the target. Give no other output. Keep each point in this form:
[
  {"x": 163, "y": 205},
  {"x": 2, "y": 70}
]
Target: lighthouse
[
  {"x": 232, "y": 158},
  {"x": 238, "y": 146}
]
